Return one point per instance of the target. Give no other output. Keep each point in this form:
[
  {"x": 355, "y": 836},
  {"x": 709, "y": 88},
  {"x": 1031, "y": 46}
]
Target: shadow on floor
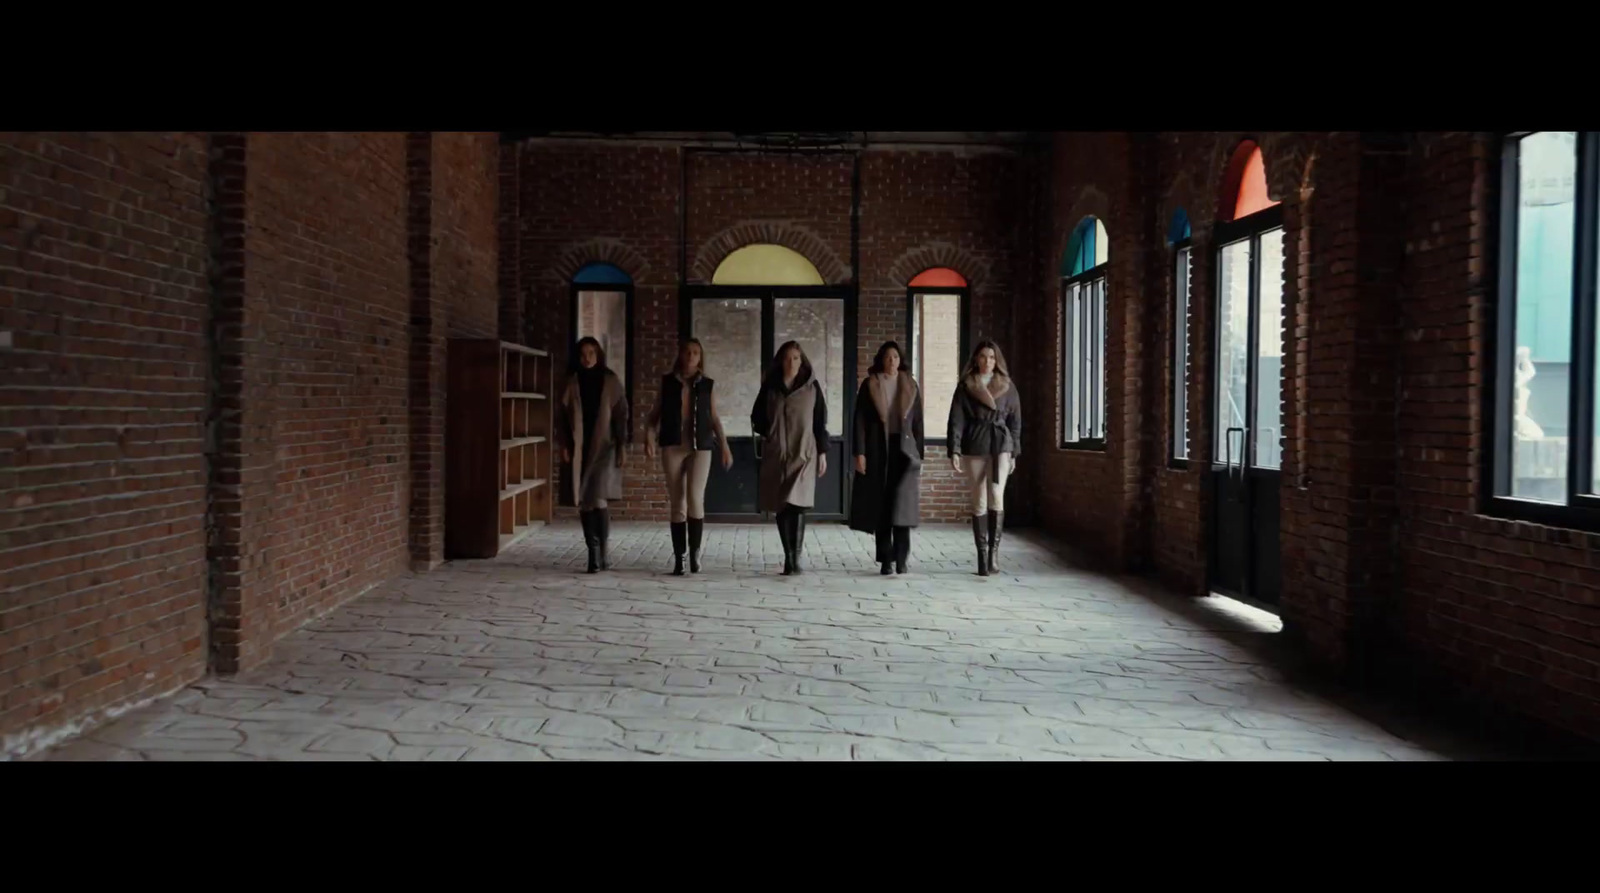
[{"x": 1459, "y": 728}]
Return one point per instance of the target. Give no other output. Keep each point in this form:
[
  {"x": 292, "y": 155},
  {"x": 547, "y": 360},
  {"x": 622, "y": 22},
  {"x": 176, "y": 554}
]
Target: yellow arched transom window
[{"x": 766, "y": 265}]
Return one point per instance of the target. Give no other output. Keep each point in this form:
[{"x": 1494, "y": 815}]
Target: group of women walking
[{"x": 790, "y": 421}]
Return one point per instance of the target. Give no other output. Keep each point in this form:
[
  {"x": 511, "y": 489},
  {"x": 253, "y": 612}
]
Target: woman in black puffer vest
[{"x": 687, "y": 427}]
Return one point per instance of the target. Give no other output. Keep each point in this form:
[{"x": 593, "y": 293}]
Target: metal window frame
[
  {"x": 963, "y": 337},
  {"x": 1245, "y": 229},
  {"x": 1084, "y": 399},
  {"x": 1582, "y": 507},
  {"x": 1182, "y": 353}
]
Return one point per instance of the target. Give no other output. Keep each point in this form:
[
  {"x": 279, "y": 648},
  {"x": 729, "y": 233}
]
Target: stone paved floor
[{"x": 527, "y": 658}]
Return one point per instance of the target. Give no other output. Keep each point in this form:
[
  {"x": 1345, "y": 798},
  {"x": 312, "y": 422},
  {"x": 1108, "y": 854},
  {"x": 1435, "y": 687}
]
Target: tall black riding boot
[
  {"x": 589, "y": 539},
  {"x": 602, "y": 534},
  {"x": 902, "y": 548},
  {"x": 697, "y": 529},
  {"x": 785, "y": 537},
  {"x": 797, "y": 528},
  {"x": 678, "y": 536},
  {"x": 981, "y": 536},
  {"x": 996, "y": 525},
  {"x": 883, "y": 538}
]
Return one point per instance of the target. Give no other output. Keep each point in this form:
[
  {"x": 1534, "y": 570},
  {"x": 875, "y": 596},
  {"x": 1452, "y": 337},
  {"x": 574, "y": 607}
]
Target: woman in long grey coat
[
  {"x": 790, "y": 416},
  {"x": 885, "y": 500},
  {"x": 985, "y": 434},
  {"x": 594, "y": 429}
]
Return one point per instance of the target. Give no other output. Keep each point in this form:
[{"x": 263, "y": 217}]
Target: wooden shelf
[
  {"x": 499, "y": 449},
  {"x": 506, "y": 539},
  {"x": 525, "y": 486}
]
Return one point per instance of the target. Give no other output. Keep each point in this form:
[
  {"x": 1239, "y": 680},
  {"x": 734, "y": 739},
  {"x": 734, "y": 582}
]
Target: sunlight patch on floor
[{"x": 1249, "y": 616}]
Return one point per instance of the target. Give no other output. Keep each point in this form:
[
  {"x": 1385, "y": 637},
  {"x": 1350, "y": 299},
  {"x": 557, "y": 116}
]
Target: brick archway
[
  {"x": 1287, "y": 158},
  {"x": 1091, "y": 202},
  {"x": 612, "y": 251},
  {"x": 938, "y": 254},
  {"x": 797, "y": 238}
]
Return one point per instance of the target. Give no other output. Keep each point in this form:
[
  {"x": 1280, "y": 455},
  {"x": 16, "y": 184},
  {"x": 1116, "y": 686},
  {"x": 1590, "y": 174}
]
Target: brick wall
[
  {"x": 1177, "y": 499},
  {"x": 311, "y": 279},
  {"x": 1503, "y": 611},
  {"x": 922, "y": 209},
  {"x": 509, "y": 240},
  {"x": 453, "y": 231},
  {"x": 102, "y": 423},
  {"x": 919, "y": 209},
  {"x": 326, "y": 360},
  {"x": 617, "y": 204},
  {"x": 1388, "y": 570},
  {"x": 1093, "y": 497}
]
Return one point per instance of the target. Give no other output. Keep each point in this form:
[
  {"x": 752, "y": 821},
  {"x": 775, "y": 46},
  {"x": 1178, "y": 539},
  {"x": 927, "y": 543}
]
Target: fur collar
[
  {"x": 990, "y": 396},
  {"x": 903, "y": 398}
]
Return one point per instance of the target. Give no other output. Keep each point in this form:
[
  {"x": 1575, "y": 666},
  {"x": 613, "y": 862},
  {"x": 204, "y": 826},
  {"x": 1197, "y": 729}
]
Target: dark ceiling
[{"x": 793, "y": 139}]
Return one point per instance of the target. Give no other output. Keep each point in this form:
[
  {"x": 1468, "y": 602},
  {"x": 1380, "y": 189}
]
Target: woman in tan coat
[
  {"x": 790, "y": 417},
  {"x": 594, "y": 430}
]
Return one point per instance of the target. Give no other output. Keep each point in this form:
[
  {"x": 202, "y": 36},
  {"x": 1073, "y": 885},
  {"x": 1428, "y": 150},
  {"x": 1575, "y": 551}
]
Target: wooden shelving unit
[{"x": 499, "y": 446}]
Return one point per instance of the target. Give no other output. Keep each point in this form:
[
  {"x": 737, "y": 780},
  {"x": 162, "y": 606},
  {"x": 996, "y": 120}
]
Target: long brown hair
[
  {"x": 677, "y": 364},
  {"x": 999, "y": 360},
  {"x": 775, "y": 371}
]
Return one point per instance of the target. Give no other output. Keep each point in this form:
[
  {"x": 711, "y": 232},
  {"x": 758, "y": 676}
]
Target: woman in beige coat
[
  {"x": 790, "y": 417},
  {"x": 594, "y": 431}
]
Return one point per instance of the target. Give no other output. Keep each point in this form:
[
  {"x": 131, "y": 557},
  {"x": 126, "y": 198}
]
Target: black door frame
[
  {"x": 840, "y": 418},
  {"x": 1246, "y": 494}
]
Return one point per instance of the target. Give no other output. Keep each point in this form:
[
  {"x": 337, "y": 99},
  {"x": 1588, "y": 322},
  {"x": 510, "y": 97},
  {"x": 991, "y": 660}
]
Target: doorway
[
  {"x": 1247, "y": 399},
  {"x": 740, "y": 328}
]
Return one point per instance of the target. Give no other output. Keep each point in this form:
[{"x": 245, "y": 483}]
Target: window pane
[
  {"x": 1269, "y": 353},
  {"x": 1541, "y": 358},
  {"x": 603, "y": 316},
  {"x": 818, "y": 324},
  {"x": 1069, "y": 359},
  {"x": 936, "y": 355},
  {"x": 1233, "y": 346},
  {"x": 1180, "y": 358},
  {"x": 1085, "y": 359},
  {"x": 1099, "y": 378},
  {"x": 730, "y": 331}
]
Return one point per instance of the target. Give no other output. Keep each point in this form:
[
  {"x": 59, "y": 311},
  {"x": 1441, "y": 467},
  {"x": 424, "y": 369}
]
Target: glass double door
[
  {"x": 740, "y": 328},
  {"x": 1247, "y": 449}
]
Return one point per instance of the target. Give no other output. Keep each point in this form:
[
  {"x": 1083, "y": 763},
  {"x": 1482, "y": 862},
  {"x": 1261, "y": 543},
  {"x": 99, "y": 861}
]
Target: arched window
[
  {"x": 1083, "y": 336},
  {"x": 936, "y": 309},
  {"x": 1178, "y": 236},
  {"x": 602, "y": 308},
  {"x": 766, "y": 265},
  {"x": 1249, "y": 358}
]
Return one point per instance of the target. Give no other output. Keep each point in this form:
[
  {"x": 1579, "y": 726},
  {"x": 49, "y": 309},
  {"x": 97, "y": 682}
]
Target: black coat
[
  {"x": 986, "y": 421},
  {"x": 893, "y": 481}
]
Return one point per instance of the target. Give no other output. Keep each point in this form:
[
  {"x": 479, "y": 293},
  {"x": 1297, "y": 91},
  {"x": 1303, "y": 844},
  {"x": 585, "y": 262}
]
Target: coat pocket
[{"x": 908, "y": 446}]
